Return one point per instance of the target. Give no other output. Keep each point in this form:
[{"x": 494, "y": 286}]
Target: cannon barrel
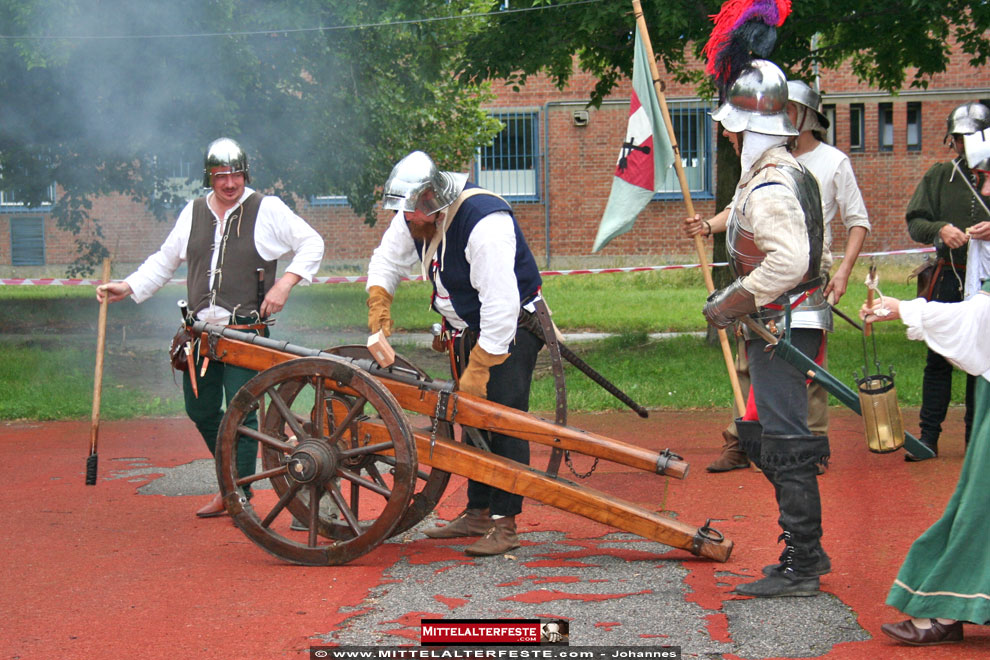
[{"x": 438, "y": 399}]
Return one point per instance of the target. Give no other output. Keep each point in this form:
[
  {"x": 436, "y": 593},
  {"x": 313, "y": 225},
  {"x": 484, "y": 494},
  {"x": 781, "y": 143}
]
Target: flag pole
[{"x": 686, "y": 191}]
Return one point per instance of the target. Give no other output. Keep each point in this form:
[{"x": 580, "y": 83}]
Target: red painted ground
[{"x": 103, "y": 572}]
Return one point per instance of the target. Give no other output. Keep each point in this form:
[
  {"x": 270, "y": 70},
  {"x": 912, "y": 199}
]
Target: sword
[{"x": 529, "y": 321}]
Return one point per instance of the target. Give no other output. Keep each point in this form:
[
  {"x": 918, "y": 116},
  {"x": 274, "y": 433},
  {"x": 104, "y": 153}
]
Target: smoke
[{"x": 133, "y": 79}]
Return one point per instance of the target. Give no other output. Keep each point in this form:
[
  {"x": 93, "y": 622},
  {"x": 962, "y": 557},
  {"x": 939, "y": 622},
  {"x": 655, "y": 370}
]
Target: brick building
[{"x": 555, "y": 161}]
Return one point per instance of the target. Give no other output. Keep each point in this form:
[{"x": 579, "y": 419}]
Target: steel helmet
[
  {"x": 417, "y": 174},
  {"x": 757, "y": 101},
  {"x": 799, "y": 92},
  {"x": 967, "y": 118},
  {"x": 224, "y": 152}
]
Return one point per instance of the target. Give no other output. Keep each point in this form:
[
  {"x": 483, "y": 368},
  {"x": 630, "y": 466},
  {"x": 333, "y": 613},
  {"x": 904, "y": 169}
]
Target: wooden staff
[
  {"x": 686, "y": 191},
  {"x": 101, "y": 341}
]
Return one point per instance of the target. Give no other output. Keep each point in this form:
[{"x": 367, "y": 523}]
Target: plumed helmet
[
  {"x": 799, "y": 92},
  {"x": 967, "y": 118},
  {"x": 224, "y": 152},
  {"x": 757, "y": 101},
  {"x": 978, "y": 150},
  {"x": 416, "y": 181}
]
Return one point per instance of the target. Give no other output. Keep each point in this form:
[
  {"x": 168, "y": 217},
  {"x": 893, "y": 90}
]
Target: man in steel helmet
[
  {"x": 944, "y": 206},
  {"x": 775, "y": 246},
  {"x": 226, "y": 237},
  {"x": 841, "y": 197},
  {"x": 471, "y": 248}
]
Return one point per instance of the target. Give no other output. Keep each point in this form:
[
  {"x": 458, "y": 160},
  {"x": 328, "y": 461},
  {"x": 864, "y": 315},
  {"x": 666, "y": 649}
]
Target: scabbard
[{"x": 783, "y": 349}]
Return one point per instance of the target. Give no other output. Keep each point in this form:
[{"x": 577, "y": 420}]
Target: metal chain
[{"x": 567, "y": 459}]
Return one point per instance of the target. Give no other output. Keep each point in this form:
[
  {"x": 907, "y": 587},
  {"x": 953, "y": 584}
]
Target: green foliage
[
  {"x": 131, "y": 90},
  {"x": 914, "y": 38}
]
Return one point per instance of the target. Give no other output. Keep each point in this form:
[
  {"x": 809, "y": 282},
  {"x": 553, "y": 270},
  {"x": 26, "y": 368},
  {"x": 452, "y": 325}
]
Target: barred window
[
  {"x": 27, "y": 241},
  {"x": 508, "y": 165},
  {"x": 692, "y": 126}
]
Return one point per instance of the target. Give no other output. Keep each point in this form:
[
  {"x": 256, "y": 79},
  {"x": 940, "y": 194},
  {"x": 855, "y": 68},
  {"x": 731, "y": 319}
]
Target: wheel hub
[{"x": 312, "y": 461}]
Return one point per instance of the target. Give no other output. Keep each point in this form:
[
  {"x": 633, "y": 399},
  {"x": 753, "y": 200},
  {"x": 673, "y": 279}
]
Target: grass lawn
[{"x": 47, "y": 356}]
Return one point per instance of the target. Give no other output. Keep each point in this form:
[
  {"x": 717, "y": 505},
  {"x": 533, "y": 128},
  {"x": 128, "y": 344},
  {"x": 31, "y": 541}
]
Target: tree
[
  {"x": 883, "y": 39},
  {"x": 107, "y": 97}
]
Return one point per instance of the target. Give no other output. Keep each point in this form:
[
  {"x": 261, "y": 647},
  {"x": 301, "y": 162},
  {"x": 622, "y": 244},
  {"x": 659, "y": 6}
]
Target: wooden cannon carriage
[{"x": 339, "y": 447}]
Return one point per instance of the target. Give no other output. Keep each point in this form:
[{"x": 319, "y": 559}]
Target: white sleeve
[
  {"x": 956, "y": 331},
  {"x": 849, "y": 198},
  {"x": 491, "y": 251},
  {"x": 779, "y": 233},
  {"x": 394, "y": 257},
  {"x": 279, "y": 231},
  {"x": 158, "y": 269}
]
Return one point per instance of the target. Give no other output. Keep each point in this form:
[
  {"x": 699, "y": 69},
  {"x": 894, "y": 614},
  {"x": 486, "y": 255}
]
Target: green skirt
[{"x": 947, "y": 570}]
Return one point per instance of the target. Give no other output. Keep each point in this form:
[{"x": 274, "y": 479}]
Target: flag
[{"x": 644, "y": 158}]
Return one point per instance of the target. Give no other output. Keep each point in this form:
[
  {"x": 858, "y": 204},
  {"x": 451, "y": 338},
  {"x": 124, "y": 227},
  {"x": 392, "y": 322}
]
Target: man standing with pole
[
  {"x": 225, "y": 236},
  {"x": 841, "y": 197}
]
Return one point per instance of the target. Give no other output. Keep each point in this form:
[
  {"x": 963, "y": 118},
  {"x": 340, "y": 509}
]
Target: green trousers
[{"x": 216, "y": 388}]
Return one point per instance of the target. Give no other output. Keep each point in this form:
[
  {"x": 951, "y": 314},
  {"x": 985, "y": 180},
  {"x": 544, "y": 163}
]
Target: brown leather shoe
[
  {"x": 214, "y": 508},
  {"x": 732, "y": 458},
  {"x": 906, "y": 632},
  {"x": 470, "y": 522},
  {"x": 499, "y": 539}
]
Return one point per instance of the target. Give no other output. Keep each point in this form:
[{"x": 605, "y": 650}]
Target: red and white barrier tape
[{"x": 51, "y": 281}]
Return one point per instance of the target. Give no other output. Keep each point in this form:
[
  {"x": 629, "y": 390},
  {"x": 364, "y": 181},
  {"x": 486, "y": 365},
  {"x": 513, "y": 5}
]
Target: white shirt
[
  {"x": 277, "y": 232},
  {"x": 960, "y": 332},
  {"x": 840, "y": 192},
  {"x": 490, "y": 249}
]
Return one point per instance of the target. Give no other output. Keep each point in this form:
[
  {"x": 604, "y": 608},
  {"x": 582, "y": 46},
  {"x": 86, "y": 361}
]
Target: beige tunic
[{"x": 775, "y": 218}]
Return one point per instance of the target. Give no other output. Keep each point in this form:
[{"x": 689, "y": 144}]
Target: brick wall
[{"x": 580, "y": 161}]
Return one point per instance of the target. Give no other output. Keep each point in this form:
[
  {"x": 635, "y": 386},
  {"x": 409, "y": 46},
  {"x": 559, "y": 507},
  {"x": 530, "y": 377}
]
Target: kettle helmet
[{"x": 226, "y": 153}]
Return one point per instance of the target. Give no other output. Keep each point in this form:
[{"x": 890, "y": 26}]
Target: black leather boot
[
  {"x": 791, "y": 466},
  {"x": 750, "y": 439}
]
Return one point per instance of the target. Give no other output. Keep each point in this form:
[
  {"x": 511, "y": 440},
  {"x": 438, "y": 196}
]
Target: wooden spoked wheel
[
  {"x": 430, "y": 482},
  {"x": 328, "y": 425}
]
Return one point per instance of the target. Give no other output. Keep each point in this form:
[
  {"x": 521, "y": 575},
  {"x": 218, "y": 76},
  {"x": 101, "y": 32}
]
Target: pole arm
[{"x": 699, "y": 246}]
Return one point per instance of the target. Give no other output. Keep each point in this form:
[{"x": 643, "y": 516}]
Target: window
[
  {"x": 856, "y": 127},
  {"x": 10, "y": 202},
  {"x": 27, "y": 242},
  {"x": 507, "y": 166},
  {"x": 913, "y": 126},
  {"x": 885, "y": 126},
  {"x": 693, "y": 128},
  {"x": 829, "y": 112}
]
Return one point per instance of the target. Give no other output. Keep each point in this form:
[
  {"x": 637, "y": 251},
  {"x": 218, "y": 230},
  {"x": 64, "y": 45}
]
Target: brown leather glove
[
  {"x": 379, "y": 307},
  {"x": 474, "y": 380}
]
